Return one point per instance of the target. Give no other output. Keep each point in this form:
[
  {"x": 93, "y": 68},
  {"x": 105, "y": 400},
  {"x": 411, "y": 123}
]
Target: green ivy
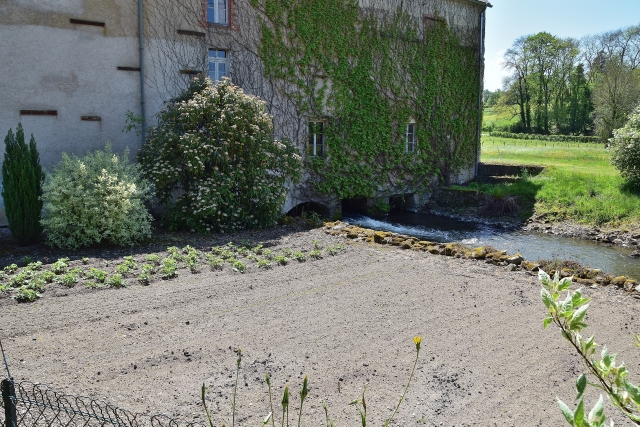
[{"x": 367, "y": 73}]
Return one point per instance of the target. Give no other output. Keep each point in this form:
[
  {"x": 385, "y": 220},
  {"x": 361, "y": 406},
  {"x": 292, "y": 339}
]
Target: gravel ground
[{"x": 345, "y": 320}]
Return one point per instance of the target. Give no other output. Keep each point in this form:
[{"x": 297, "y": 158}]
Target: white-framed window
[
  {"x": 218, "y": 12},
  {"x": 316, "y": 139},
  {"x": 410, "y": 138},
  {"x": 218, "y": 64}
]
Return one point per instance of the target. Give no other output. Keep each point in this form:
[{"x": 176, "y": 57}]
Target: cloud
[{"x": 494, "y": 73}]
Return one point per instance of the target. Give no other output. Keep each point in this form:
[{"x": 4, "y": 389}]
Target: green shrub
[
  {"x": 96, "y": 198},
  {"x": 625, "y": 147},
  {"x": 22, "y": 178},
  {"x": 214, "y": 146}
]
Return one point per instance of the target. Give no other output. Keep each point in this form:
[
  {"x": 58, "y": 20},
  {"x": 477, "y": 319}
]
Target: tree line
[{"x": 569, "y": 86}]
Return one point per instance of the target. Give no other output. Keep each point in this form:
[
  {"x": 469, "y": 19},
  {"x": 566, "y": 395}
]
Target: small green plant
[
  {"x": 239, "y": 266},
  {"x": 144, "y": 278},
  {"x": 85, "y": 260},
  {"x": 34, "y": 266},
  {"x": 316, "y": 244},
  {"x": 48, "y": 276},
  {"x": 267, "y": 253},
  {"x": 91, "y": 284},
  {"x": 70, "y": 279},
  {"x": 264, "y": 263},
  {"x": 316, "y": 253},
  {"x": 10, "y": 269},
  {"x": 169, "y": 268},
  {"x": 27, "y": 260},
  {"x": 257, "y": 249},
  {"x": 60, "y": 266},
  {"x": 332, "y": 250},
  {"x": 286, "y": 252},
  {"x": 216, "y": 263},
  {"x": 24, "y": 294},
  {"x": 5, "y": 288},
  {"x": 299, "y": 256},
  {"x": 20, "y": 279},
  {"x": 115, "y": 281},
  {"x": 36, "y": 284},
  {"x": 123, "y": 269},
  {"x": 97, "y": 274},
  {"x": 153, "y": 258},
  {"x": 281, "y": 259}
]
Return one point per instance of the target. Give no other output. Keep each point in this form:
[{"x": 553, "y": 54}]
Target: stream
[{"x": 532, "y": 246}]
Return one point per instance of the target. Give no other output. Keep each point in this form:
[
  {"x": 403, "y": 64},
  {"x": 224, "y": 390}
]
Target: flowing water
[{"x": 533, "y": 246}]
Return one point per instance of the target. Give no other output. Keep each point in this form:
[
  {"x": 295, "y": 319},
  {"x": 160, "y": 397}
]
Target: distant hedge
[{"x": 550, "y": 138}]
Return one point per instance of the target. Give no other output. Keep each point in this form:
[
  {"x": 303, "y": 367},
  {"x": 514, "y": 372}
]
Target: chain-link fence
[{"x": 26, "y": 404}]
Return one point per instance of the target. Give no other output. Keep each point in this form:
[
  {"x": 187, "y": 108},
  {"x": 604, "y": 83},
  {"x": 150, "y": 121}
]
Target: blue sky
[{"x": 510, "y": 19}]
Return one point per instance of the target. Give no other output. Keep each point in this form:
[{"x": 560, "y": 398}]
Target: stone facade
[{"x": 71, "y": 68}]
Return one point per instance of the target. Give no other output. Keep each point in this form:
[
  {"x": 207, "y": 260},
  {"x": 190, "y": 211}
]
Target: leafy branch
[{"x": 569, "y": 315}]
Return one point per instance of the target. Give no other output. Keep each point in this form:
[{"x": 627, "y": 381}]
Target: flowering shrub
[
  {"x": 213, "y": 147},
  {"x": 625, "y": 146},
  {"x": 96, "y": 198}
]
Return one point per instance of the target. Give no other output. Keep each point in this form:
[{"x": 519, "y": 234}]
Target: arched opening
[
  {"x": 355, "y": 206},
  {"x": 309, "y": 207}
]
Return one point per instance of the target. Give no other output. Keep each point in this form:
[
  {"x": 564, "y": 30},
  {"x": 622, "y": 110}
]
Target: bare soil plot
[{"x": 346, "y": 320}]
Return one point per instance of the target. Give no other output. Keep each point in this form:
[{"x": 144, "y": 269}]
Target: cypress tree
[{"x": 22, "y": 178}]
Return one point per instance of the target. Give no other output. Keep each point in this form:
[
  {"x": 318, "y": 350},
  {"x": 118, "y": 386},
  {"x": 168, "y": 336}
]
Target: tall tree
[{"x": 616, "y": 93}]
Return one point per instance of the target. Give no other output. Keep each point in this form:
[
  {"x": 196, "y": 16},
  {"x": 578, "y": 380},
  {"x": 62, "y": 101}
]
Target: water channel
[{"x": 533, "y": 246}]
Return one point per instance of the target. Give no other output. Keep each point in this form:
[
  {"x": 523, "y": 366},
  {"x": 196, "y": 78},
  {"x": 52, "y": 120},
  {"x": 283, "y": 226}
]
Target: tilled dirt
[{"x": 346, "y": 320}]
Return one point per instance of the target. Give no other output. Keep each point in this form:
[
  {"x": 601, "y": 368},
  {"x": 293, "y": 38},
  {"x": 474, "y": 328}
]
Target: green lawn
[
  {"x": 497, "y": 119},
  {"x": 579, "y": 183}
]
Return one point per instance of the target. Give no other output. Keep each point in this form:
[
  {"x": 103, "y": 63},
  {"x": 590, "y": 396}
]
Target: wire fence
[{"x": 27, "y": 404}]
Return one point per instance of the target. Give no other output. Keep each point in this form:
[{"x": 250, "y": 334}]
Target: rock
[
  {"x": 511, "y": 267},
  {"x": 515, "y": 260},
  {"x": 451, "y": 249},
  {"x": 629, "y": 285},
  {"x": 635, "y": 254},
  {"x": 496, "y": 255},
  {"x": 566, "y": 272},
  {"x": 531, "y": 266},
  {"x": 619, "y": 281},
  {"x": 407, "y": 244},
  {"x": 433, "y": 250},
  {"x": 479, "y": 253}
]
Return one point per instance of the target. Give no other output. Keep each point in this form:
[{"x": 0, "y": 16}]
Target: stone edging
[{"x": 584, "y": 275}]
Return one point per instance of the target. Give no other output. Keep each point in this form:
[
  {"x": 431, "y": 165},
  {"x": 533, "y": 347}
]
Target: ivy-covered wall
[{"x": 366, "y": 71}]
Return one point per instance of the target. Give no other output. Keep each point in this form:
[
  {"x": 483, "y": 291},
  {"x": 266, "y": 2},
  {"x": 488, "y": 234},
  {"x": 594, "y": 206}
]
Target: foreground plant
[
  {"x": 569, "y": 315},
  {"x": 304, "y": 391}
]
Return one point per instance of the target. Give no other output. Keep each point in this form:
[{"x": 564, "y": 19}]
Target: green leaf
[
  {"x": 634, "y": 392},
  {"x": 579, "y": 413},
  {"x": 547, "y": 299},
  {"x": 547, "y": 321},
  {"x": 596, "y": 415},
  {"x": 581, "y": 385},
  {"x": 568, "y": 415}
]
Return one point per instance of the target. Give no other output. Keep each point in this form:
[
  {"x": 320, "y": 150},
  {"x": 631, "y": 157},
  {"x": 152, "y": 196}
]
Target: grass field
[
  {"x": 579, "y": 184},
  {"x": 498, "y": 119}
]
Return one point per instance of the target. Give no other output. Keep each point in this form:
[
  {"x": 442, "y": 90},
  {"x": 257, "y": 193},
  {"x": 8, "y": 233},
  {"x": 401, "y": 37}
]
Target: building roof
[{"x": 482, "y": 2}]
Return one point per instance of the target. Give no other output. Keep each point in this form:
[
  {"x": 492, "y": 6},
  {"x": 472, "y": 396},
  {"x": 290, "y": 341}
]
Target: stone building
[{"x": 72, "y": 69}]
